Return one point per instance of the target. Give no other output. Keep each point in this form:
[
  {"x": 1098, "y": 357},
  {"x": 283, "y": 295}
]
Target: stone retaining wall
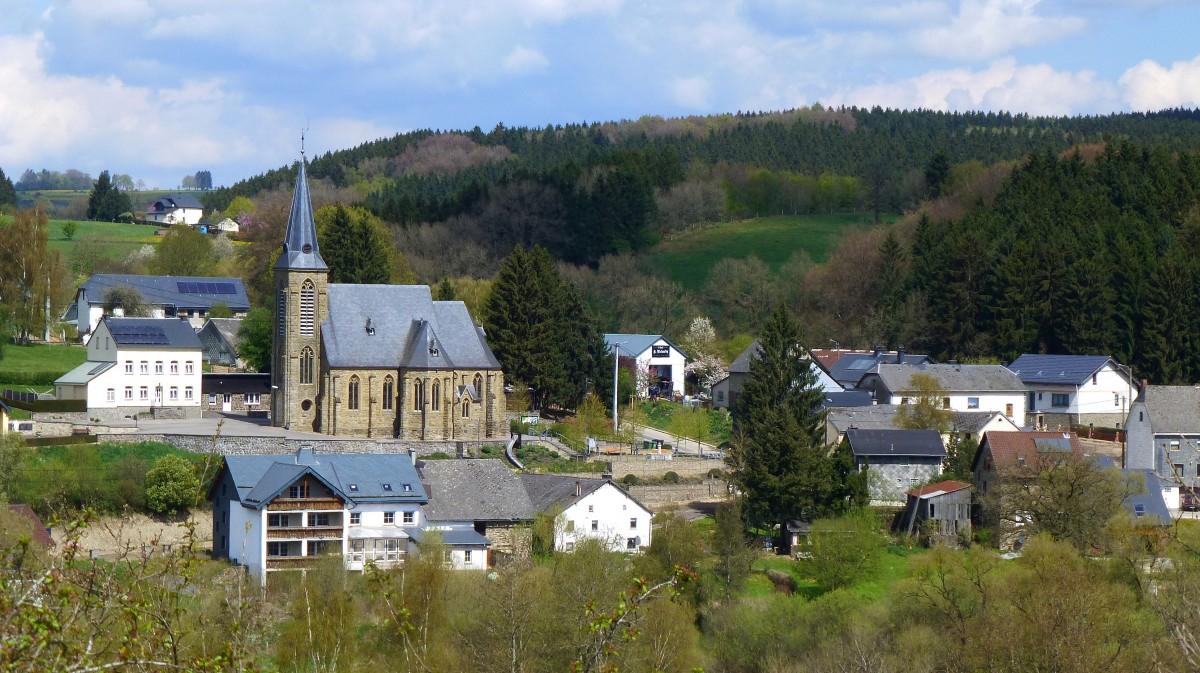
[
  {"x": 641, "y": 466},
  {"x": 665, "y": 496},
  {"x": 238, "y": 446}
]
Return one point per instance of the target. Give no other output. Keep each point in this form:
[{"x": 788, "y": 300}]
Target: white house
[
  {"x": 137, "y": 365},
  {"x": 658, "y": 362},
  {"x": 273, "y": 513},
  {"x": 1066, "y": 390},
  {"x": 590, "y": 509},
  {"x": 964, "y": 387},
  {"x": 175, "y": 209},
  {"x": 1163, "y": 435},
  {"x": 190, "y": 297}
]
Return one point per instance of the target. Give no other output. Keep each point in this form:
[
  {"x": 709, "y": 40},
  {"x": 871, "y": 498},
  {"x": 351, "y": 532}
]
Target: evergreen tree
[
  {"x": 106, "y": 203},
  {"x": 8, "y": 193},
  {"x": 445, "y": 290},
  {"x": 351, "y": 247}
]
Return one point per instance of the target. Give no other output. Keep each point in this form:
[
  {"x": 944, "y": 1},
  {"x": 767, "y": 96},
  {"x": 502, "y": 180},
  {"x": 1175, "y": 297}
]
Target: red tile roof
[
  {"x": 39, "y": 532},
  {"x": 1009, "y": 448},
  {"x": 827, "y": 357},
  {"x": 948, "y": 486}
]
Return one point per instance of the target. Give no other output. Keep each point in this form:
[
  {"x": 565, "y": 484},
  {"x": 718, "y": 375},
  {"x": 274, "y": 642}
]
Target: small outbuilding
[
  {"x": 941, "y": 510},
  {"x": 898, "y": 459}
]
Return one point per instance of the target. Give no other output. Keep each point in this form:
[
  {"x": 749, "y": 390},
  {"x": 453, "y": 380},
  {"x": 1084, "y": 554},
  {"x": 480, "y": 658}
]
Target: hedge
[
  {"x": 49, "y": 406},
  {"x": 30, "y": 378},
  {"x": 60, "y": 441}
]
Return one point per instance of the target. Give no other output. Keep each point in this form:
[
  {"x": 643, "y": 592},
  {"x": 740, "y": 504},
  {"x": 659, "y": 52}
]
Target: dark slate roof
[
  {"x": 300, "y": 243},
  {"x": 1173, "y": 409},
  {"x": 1065, "y": 369},
  {"x": 848, "y": 398},
  {"x": 451, "y": 537},
  {"x": 896, "y": 443},
  {"x": 227, "y": 328},
  {"x": 404, "y": 319},
  {"x": 852, "y": 367},
  {"x": 168, "y": 202},
  {"x": 741, "y": 364},
  {"x": 547, "y": 491},
  {"x": 164, "y": 290},
  {"x": 952, "y": 378},
  {"x": 177, "y": 332},
  {"x": 974, "y": 421},
  {"x": 235, "y": 382},
  {"x": 875, "y": 417},
  {"x": 474, "y": 490},
  {"x": 260, "y": 478},
  {"x": 633, "y": 345},
  {"x": 1147, "y": 507}
]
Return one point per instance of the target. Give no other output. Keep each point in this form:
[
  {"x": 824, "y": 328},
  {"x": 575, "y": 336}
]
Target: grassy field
[
  {"x": 116, "y": 239},
  {"x": 893, "y": 566},
  {"x": 688, "y": 258},
  {"x": 40, "y": 358}
]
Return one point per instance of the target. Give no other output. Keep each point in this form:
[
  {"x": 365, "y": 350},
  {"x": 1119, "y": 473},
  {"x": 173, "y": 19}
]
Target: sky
[{"x": 160, "y": 89}]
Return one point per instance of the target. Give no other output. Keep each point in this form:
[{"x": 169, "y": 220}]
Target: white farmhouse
[
  {"x": 1067, "y": 390},
  {"x": 964, "y": 387},
  {"x": 658, "y": 363},
  {"x": 138, "y": 365},
  {"x": 190, "y": 297},
  {"x": 590, "y": 509},
  {"x": 175, "y": 209}
]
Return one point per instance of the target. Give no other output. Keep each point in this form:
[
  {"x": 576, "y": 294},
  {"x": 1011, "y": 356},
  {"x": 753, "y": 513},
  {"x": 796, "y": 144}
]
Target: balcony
[
  {"x": 290, "y": 562},
  {"x": 382, "y": 558},
  {"x": 314, "y": 504},
  {"x": 304, "y": 532}
]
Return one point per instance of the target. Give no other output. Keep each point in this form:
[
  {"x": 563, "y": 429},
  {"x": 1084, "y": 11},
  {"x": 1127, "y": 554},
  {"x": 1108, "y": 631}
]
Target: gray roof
[
  {"x": 159, "y": 333},
  {"x": 741, "y": 364},
  {"x": 452, "y": 537},
  {"x": 876, "y": 417},
  {"x": 547, "y": 491},
  {"x": 972, "y": 421},
  {"x": 172, "y": 201},
  {"x": 1147, "y": 505},
  {"x": 636, "y": 344},
  {"x": 1173, "y": 409},
  {"x": 847, "y": 398},
  {"x": 354, "y": 477},
  {"x": 84, "y": 373},
  {"x": 952, "y": 378},
  {"x": 405, "y": 321},
  {"x": 896, "y": 443},
  {"x": 227, "y": 328},
  {"x": 474, "y": 490},
  {"x": 852, "y": 367},
  {"x": 1063, "y": 369},
  {"x": 168, "y": 290},
  {"x": 300, "y": 243}
]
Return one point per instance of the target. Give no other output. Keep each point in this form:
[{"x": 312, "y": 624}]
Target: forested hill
[{"x": 584, "y": 191}]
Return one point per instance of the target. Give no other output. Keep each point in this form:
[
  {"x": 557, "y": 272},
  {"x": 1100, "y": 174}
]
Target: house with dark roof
[
  {"x": 374, "y": 360},
  {"x": 175, "y": 209},
  {"x": 1071, "y": 390},
  {"x": 897, "y": 459},
  {"x": 1147, "y": 507},
  {"x": 585, "y": 509},
  {"x": 244, "y": 393},
  {"x": 657, "y": 363},
  {"x": 966, "y": 424},
  {"x": 280, "y": 512},
  {"x": 964, "y": 387},
  {"x": 727, "y": 390},
  {"x": 220, "y": 340},
  {"x": 1163, "y": 436},
  {"x": 190, "y": 297},
  {"x": 940, "y": 512},
  {"x": 135, "y": 366},
  {"x": 848, "y": 371},
  {"x": 485, "y": 496}
]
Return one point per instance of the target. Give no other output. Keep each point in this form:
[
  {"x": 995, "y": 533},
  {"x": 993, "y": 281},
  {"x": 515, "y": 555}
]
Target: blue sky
[{"x": 160, "y": 89}]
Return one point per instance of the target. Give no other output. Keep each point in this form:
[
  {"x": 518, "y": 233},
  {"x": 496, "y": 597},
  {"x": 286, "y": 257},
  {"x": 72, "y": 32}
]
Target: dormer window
[
  {"x": 370, "y": 328},
  {"x": 387, "y": 488},
  {"x": 408, "y": 488},
  {"x": 354, "y": 488}
]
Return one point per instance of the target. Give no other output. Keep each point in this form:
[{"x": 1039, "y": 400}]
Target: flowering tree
[{"x": 700, "y": 343}]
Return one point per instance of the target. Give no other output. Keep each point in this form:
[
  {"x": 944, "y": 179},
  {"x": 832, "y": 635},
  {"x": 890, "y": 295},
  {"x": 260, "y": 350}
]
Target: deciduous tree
[
  {"x": 33, "y": 279},
  {"x": 255, "y": 335},
  {"x": 183, "y": 251}
]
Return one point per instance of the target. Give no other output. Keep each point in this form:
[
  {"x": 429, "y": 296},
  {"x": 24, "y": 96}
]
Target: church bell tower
[{"x": 301, "y": 304}]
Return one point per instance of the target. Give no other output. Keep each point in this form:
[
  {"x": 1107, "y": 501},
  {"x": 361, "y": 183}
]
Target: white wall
[
  {"x": 612, "y": 510},
  {"x": 247, "y": 544},
  {"x": 118, "y": 379},
  {"x": 1105, "y": 396},
  {"x": 988, "y": 401},
  {"x": 674, "y": 358}
]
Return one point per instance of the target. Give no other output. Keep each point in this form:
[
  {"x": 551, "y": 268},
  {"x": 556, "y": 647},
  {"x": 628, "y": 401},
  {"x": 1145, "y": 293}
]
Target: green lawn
[
  {"x": 116, "y": 239},
  {"x": 893, "y": 566},
  {"x": 40, "y": 358},
  {"x": 688, "y": 258}
]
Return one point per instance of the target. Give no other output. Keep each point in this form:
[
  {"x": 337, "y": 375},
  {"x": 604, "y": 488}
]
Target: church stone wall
[
  {"x": 293, "y": 394},
  {"x": 444, "y": 420}
]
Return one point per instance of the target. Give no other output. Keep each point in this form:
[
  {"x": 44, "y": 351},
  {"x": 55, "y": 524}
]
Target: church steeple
[{"x": 300, "y": 244}]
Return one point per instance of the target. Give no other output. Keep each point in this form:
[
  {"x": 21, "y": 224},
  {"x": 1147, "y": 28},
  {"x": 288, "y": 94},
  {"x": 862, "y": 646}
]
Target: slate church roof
[{"x": 300, "y": 243}]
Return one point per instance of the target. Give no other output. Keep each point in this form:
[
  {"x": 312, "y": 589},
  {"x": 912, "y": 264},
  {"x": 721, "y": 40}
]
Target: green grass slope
[
  {"x": 40, "y": 358},
  {"x": 115, "y": 239},
  {"x": 688, "y": 258}
]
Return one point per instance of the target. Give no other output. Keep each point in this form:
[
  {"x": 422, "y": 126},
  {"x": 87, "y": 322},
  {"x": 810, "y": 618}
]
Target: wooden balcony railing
[
  {"x": 285, "y": 562},
  {"x": 304, "y": 532},
  {"x": 293, "y": 504}
]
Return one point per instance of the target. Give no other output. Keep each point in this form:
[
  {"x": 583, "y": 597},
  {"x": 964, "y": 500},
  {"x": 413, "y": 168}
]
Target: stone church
[{"x": 375, "y": 360}]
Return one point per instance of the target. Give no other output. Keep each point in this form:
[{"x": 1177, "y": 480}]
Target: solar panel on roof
[
  {"x": 1052, "y": 444},
  {"x": 205, "y": 287}
]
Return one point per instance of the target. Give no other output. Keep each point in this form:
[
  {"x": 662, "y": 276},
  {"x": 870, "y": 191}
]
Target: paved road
[{"x": 685, "y": 446}]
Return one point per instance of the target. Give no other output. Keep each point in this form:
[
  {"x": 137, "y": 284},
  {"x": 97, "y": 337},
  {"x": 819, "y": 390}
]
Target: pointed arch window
[
  {"x": 466, "y": 408},
  {"x": 308, "y": 302},
  {"x": 352, "y": 394},
  {"x": 306, "y": 365},
  {"x": 418, "y": 395},
  {"x": 389, "y": 392},
  {"x": 477, "y": 383},
  {"x": 436, "y": 394},
  {"x": 281, "y": 311}
]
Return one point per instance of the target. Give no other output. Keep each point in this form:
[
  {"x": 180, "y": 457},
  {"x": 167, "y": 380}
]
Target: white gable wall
[
  {"x": 616, "y": 516},
  {"x": 646, "y": 360},
  {"x": 1109, "y": 393}
]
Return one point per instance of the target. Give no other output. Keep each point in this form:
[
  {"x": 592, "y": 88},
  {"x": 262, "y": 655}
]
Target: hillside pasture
[
  {"x": 114, "y": 239},
  {"x": 687, "y": 258}
]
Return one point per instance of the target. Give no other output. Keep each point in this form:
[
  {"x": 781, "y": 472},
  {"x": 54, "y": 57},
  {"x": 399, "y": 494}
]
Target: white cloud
[
  {"x": 692, "y": 92},
  {"x": 1150, "y": 86},
  {"x": 523, "y": 60},
  {"x": 985, "y": 29}
]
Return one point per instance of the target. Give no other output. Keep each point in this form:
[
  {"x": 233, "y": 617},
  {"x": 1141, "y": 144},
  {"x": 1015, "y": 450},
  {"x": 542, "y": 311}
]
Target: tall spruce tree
[
  {"x": 779, "y": 460},
  {"x": 8, "y": 193},
  {"x": 352, "y": 248},
  {"x": 106, "y": 203}
]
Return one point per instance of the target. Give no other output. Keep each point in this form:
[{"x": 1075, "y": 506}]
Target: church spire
[{"x": 300, "y": 244}]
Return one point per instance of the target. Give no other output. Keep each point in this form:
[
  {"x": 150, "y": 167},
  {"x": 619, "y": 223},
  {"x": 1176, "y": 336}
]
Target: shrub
[
  {"x": 670, "y": 478},
  {"x": 171, "y": 485},
  {"x": 716, "y": 473},
  {"x": 630, "y": 480}
]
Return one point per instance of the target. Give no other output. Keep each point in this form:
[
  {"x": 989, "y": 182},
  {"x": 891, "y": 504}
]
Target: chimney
[
  {"x": 578, "y": 488},
  {"x": 900, "y": 355},
  {"x": 412, "y": 453},
  {"x": 878, "y": 351}
]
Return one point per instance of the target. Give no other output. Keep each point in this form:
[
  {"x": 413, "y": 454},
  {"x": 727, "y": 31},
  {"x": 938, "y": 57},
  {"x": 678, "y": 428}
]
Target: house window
[
  {"x": 144, "y": 393},
  {"x": 128, "y": 393},
  {"x": 308, "y": 295},
  {"x": 633, "y": 522},
  {"x": 277, "y": 520},
  {"x": 158, "y": 368},
  {"x": 212, "y": 398},
  {"x": 409, "y": 518},
  {"x": 174, "y": 367},
  {"x": 129, "y": 366},
  {"x": 1116, "y": 399},
  {"x": 280, "y": 313},
  {"x": 931, "y": 510},
  {"x": 355, "y": 518},
  {"x": 1140, "y": 417},
  {"x": 591, "y": 508},
  {"x": 1060, "y": 400},
  {"x": 318, "y": 519},
  {"x": 436, "y": 394},
  {"x": 720, "y": 395},
  {"x": 945, "y": 402},
  {"x": 418, "y": 395},
  {"x": 466, "y": 409},
  {"x": 253, "y": 398},
  {"x": 1093, "y": 378},
  {"x": 173, "y": 393},
  {"x": 595, "y": 524},
  {"x": 903, "y": 400},
  {"x": 972, "y": 402},
  {"x": 111, "y": 395},
  {"x": 389, "y": 391},
  {"x": 1179, "y": 470},
  {"x": 389, "y": 517},
  {"x": 299, "y": 490},
  {"x": 1174, "y": 444},
  {"x": 1008, "y": 410},
  {"x": 631, "y": 543},
  {"x": 188, "y": 393},
  {"x": 352, "y": 395},
  {"x": 277, "y": 549},
  {"x": 306, "y": 365},
  {"x": 571, "y": 526},
  {"x": 144, "y": 367},
  {"x": 477, "y": 384},
  {"x": 188, "y": 368},
  {"x": 467, "y": 556}
]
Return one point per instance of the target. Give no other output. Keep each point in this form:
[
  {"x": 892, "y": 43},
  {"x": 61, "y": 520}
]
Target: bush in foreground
[{"x": 171, "y": 485}]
